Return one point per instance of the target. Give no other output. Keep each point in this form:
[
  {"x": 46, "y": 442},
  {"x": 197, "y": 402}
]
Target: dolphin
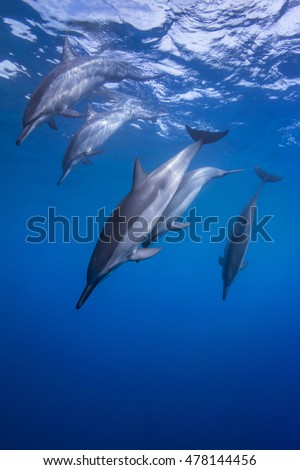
[
  {"x": 147, "y": 200},
  {"x": 190, "y": 186},
  {"x": 98, "y": 128},
  {"x": 237, "y": 245},
  {"x": 69, "y": 82}
]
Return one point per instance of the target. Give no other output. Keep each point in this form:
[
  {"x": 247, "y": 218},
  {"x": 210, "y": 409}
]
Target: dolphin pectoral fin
[
  {"x": 86, "y": 161},
  {"x": 206, "y": 137},
  {"x": 93, "y": 152},
  {"x": 90, "y": 153},
  {"x": 221, "y": 261},
  {"x": 144, "y": 253},
  {"x": 176, "y": 226},
  {"x": 244, "y": 265},
  {"x": 52, "y": 124},
  {"x": 68, "y": 53},
  {"x": 69, "y": 112}
]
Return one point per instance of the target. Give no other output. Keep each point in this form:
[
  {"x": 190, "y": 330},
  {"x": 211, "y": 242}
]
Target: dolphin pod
[
  {"x": 156, "y": 197},
  {"x": 73, "y": 79},
  {"x": 147, "y": 200},
  {"x": 98, "y": 128},
  {"x": 236, "y": 248}
]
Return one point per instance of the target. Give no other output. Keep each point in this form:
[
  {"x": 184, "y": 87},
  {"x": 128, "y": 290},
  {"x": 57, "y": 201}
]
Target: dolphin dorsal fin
[
  {"x": 139, "y": 174},
  {"x": 68, "y": 54}
]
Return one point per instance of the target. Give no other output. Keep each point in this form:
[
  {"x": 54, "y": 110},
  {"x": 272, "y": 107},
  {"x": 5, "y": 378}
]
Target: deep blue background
[{"x": 155, "y": 359}]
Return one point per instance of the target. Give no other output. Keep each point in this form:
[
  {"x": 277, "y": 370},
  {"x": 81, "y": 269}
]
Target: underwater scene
[{"x": 150, "y": 224}]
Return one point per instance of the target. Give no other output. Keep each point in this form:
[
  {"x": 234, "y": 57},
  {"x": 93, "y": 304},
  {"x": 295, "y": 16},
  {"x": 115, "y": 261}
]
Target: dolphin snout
[
  {"x": 225, "y": 291},
  {"x": 84, "y": 296},
  {"x": 27, "y": 129},
  {"x": 61, "y": 179},
  {"x": 63, "y": 176}
]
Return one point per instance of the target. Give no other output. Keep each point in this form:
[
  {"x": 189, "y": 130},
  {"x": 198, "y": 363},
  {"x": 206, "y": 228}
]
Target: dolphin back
[
  {"x": 206, "y": 137},
  {"x": 266, "y": 177}
]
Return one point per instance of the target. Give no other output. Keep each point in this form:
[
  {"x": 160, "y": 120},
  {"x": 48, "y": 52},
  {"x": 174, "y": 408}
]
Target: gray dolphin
[
  {"x": 147, "y": 200},
  {"x": 238, "y": 241},
  {"x": 190, "y": 186},
  {"x": 71, "y": 81},
  {"x": 98, "y": 128}
]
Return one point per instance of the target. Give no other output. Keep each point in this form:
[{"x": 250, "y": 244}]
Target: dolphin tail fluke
[
  {"x": 24, "y": 133},
  {"x": 206, "y": 137},
  {"x": 266, "y": 177},
  {"x": 85, "y": 294}
]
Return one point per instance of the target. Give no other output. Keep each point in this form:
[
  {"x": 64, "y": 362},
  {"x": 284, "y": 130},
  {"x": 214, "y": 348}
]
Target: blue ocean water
[{"x": 155, "y": 359}]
